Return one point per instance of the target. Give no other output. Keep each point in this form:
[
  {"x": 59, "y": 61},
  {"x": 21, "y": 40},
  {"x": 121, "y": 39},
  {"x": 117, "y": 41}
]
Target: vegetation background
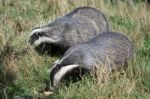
[{"x": 23, "y": 72}]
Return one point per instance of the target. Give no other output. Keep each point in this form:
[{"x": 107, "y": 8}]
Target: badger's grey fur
[
  {"x": 78, "y": 26},
  {"x": 108, "y": 49}
]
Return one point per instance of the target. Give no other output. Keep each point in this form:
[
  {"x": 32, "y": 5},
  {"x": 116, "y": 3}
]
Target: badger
[
  {"x": 80, "y": 25},
  {"x": 109, "y": 49}
]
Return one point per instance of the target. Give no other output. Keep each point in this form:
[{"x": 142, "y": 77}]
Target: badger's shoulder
[
  {"x": 106, "y": 36},
  {"x": 95, "y": 16}
]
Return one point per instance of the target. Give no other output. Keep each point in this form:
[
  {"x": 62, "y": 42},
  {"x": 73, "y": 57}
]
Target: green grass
[{"x": 23, "y": 72}]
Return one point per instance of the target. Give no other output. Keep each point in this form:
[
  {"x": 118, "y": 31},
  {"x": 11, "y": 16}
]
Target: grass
[{"x": 23, "y": 71}]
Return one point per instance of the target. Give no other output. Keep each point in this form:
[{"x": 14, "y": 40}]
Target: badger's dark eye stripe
[
  {"x": 42, "y": 34},
  {"x": 39, "y": 31},
  {"x": 54, "y": 70},
  {"x": 64, "y": 70},
  {"x": 52, "y": 73}
]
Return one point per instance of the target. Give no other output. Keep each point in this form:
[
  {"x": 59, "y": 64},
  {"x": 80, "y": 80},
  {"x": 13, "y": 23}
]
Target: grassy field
[{"x": 23, "y": 72}]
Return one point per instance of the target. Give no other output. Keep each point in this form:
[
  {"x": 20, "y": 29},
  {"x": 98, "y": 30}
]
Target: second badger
[{"x": 110, "y": 49}]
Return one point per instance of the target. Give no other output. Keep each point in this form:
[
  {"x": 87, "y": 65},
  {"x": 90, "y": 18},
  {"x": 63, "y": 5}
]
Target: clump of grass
[{"x": 145, "y": 49}]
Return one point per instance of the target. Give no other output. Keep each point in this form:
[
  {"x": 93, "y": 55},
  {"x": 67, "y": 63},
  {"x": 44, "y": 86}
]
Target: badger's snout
[{"x": 35, "y": 34}]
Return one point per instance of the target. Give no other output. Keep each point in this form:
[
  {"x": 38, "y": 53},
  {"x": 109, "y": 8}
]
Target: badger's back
[
  {"x": 87, "y": 23},
  {"x": 114, "y": 48},
  {"x": 112, "y": 42},
  {"x": 109, "y": 48},
  {"x": 97, "y": 17}
]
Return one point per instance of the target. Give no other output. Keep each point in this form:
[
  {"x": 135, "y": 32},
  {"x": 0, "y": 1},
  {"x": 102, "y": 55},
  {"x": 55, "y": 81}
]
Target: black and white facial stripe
[
  {"x": 38, "y": 36},
  {"x": 58, "y": 72}
]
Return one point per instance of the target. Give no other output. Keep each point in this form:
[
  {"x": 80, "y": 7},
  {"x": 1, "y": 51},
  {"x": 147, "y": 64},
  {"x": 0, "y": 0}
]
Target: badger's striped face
[
  {"x": 47, "y": 34},
  {"x": 58, "y": 72}
]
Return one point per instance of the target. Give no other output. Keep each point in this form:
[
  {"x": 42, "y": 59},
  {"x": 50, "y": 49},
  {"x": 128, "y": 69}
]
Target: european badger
[
  {"x": 78, "y": 26},
  {"x": 110, "y": 49}
]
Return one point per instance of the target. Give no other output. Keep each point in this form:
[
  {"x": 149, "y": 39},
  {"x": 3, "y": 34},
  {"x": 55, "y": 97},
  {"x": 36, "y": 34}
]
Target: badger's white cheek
[{"x": 37, "y": 42}]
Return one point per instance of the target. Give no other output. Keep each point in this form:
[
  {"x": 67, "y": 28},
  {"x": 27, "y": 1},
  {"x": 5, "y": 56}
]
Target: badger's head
[
  {"x": 52, "y": 37},
  {"x": 58, "y": 72},
  {"x": 44, "y": 35},
  {"x": 52, "y": 34}
]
